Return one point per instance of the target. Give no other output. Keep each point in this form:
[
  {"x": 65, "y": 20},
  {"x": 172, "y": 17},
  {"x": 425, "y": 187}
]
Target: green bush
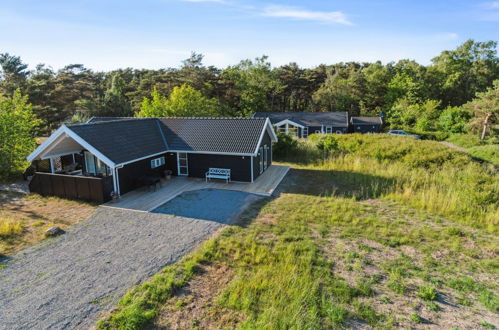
[
  {"x": 285, "y": 145},
  {"x": 328, "y": 143}
]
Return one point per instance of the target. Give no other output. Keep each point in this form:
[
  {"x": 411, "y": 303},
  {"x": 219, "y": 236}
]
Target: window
[
  {"x": 157, "y": 162},
  {"x": 329, "y": 129},
  {"x": 339, "y": 132},
  {"x": 317, "y": 131},
  {"x": 95, "y": 166},
  {"x": 305, "y": 132}
]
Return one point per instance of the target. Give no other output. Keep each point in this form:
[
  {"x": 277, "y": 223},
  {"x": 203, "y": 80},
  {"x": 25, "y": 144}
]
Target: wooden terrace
[{"x": 145, "y": 199}]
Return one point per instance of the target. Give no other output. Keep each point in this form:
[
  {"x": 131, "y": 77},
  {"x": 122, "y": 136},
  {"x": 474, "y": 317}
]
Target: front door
[{"x": 182, "y": 163}]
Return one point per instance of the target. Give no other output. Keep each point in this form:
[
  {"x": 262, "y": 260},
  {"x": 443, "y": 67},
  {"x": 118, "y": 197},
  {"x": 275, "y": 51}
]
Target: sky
[{"x": 108, "y": 34}]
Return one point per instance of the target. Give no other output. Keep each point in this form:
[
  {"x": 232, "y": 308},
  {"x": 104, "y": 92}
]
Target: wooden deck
[{"x": 146, "y": 199}]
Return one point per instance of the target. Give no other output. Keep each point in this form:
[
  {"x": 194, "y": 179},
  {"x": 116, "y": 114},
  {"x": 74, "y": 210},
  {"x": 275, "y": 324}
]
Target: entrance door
[{"x": 182, "y": 164}]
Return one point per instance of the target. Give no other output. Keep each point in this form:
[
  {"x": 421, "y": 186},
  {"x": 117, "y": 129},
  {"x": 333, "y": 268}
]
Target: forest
[{"x": 453, "y": 94}]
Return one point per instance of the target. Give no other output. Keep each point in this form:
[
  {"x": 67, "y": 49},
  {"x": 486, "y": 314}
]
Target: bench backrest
[{"x": 222, "y": 171}]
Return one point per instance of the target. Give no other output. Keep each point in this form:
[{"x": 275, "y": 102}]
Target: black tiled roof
[
  {"x": 101, "y": 119},
  {"x": 228, "y": 135},
  {"x": 126, "y": 139},
  {"x": 366, "y": 121},
  {"x": 336, "y": 119},
  {"x": 123, "y": 140}
]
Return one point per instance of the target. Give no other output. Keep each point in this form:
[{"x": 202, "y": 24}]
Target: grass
[
  {"x": 10, "y": 228},
  {"x": 489, "y": 153},
  {"x": 465, "y": 140},
  {"x": 346, "y": 242},
  {"x": 24, "y": 218}
]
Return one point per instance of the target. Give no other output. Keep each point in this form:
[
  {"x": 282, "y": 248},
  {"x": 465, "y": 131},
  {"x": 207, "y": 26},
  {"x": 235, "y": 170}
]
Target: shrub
[
  {"x": 285, "y": 145},
  {"x": 327, "y": 143}
]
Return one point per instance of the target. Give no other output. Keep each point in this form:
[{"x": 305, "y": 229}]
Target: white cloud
[{"x": 335, "y": 17}]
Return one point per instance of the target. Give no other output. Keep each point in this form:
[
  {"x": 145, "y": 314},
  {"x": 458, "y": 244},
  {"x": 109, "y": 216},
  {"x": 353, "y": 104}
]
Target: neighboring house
[
  {"x": 366, "y": 124},
  {"x": 104, "y": 155},
  {"x": 302, "y": 124}
]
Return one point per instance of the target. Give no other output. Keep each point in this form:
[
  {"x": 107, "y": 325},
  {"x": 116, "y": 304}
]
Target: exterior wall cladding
[
  {"x": 131, "y": 174},
  {"x": 240, "y": 166},
  {"x": 256, "y": 160}
]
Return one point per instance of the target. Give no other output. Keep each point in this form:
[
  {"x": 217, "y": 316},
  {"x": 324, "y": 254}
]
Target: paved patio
[{"x": 145, "y": 199}]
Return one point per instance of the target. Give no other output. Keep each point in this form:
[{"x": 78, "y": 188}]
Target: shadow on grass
[{"x": 336, "y": 183}]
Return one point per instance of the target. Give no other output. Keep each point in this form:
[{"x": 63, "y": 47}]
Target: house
[
  {"x": 366, "y": 124},
  {"x": 302, "y": 124},
  {"x": 116, "y": 155}
]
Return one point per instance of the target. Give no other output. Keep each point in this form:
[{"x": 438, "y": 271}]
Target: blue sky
[{"x": 109, "y": 34}]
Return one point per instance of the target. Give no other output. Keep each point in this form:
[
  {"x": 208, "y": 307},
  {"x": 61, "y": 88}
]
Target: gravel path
[
  {"x": 453, "y": 146},
  {"x": 68, "y": 281}
]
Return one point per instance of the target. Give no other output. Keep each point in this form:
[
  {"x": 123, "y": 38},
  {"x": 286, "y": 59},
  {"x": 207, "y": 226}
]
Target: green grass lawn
[{"x": 386, "y": 232}]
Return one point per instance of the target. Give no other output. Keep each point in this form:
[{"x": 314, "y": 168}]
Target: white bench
[{"x": 218, "y": 173}]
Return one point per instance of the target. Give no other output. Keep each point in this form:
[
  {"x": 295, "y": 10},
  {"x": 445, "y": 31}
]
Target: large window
[
  {"x": 157, "y": 162},
  {"x": 95, "y": 166}
]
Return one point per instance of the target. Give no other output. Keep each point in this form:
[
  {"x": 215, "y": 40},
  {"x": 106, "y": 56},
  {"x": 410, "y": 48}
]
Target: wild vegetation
[
  {"x": 452, "y": 95},
  {"x": 367, "y": 230},
  {"x": 24, "y": 219}
]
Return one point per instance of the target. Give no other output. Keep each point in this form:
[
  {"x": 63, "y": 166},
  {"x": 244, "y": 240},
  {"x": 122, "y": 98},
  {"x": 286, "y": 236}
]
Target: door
[{"x": 182, "y": 163}]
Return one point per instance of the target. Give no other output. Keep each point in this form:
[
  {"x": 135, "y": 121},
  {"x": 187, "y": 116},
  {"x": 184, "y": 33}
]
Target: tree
[
  {"x": 115, "y": 103},
  {"x": 14, "y": 73},
  {"x": 468, "y": 69},
  {"x": 17, "y": 133},
  {"x": 454, "y": 119},
  {"x": 255, "y": 85},
  {"x": 184, "y": 101},
  {"x": 485, "y": 108},
  {"x": 342, "y": 90}
]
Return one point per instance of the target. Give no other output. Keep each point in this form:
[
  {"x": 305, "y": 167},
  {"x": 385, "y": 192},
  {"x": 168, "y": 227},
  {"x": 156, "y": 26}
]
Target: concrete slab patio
[{"x": 146, "y": 199}]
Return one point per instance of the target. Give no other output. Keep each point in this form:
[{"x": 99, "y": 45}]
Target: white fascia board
[
  {"x": 287, "y": 121},
  {"x": 273, "y": 137},
  {"x": 45, "y": 144},
  {"x": 141, "y": 158},
  {"x": 87, "y": 146},
  {"x": 214, "y": 153},
  {"x": 187, "y": 152}
]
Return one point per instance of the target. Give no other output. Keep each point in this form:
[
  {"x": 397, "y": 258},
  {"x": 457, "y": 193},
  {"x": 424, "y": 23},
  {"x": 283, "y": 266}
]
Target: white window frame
[
  {"x": 157, "y": 162},
  {"x": 329, "y": 129},
  {"x": 339, "y": 132},
  {"x": 305, "y": 132}
]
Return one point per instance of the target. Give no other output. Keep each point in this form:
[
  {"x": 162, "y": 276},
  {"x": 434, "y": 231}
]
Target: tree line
[{"x": 408, "y": 94}]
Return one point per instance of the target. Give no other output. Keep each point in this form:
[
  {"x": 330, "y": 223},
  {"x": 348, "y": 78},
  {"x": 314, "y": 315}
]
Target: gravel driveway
[{"x": 68, "y": 281}]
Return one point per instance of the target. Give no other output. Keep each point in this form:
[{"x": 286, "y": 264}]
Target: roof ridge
[
  {"x": 229, "y": 118},
  {"x": 110, "y": 121}
]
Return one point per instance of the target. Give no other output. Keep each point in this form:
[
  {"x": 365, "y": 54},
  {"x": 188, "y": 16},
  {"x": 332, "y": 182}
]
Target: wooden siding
[
  {"x": 366, "y": 128},
  {"x": 130, "y": 175},
  {"x": 256, "y": 160},
  {"x": 240, "y": 166},
  {"x": 72, "y": 186}
]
